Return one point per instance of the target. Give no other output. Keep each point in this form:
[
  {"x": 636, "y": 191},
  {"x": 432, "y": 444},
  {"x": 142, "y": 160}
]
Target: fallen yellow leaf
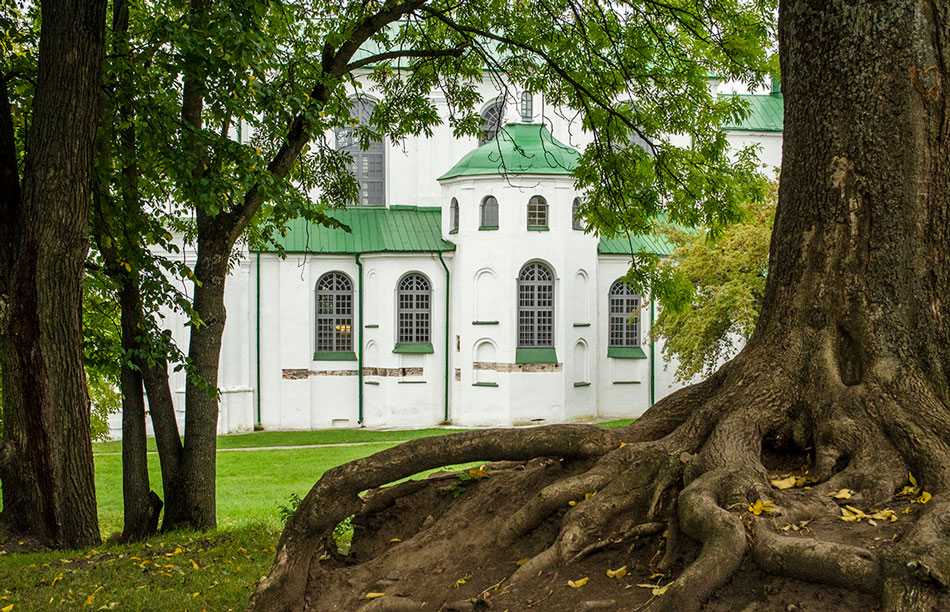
[
  {"x": 842, "y": 494},
  {"x": 617, "y": 573},
  {"x": 195, "y": 595},
  {"x": 789, "y": 483},
  {"x": 477, "y": 473},
  {"x": 924, "y": 498},
  {"x": 759, "y": 506},
  {"x": 576, "y": 584},
  {"x": 7, "y": 609},
  {"x": 374, "y": 595},
  {"x": 521, "y": 562},
  {"x": 194, "y": 565},
  {"x": 589, "y": 495},
  {"x": 913, "y": 481},
  {"x": 395, "y": 540},
  {"x": 660, "y": 590},
  {"x": 572, "y": 503},
  {"x": 90, "y": 599}
]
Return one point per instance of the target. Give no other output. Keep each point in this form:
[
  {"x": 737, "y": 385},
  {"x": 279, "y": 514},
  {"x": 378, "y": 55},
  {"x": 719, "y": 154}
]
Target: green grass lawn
[{"x": 190, "y": 571}]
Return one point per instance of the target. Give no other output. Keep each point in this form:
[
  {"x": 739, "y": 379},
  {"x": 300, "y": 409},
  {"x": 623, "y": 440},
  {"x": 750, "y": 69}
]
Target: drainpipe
[
  {"x": 447, "y": 344},
  {"x": 359, "y": 353},
  {"x": 257, "y": 341},
  {"x": 652, "y": 357}
]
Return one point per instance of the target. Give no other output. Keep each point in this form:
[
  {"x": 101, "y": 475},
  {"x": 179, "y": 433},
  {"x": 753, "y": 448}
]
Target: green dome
[{"x": 519, "y": 148}]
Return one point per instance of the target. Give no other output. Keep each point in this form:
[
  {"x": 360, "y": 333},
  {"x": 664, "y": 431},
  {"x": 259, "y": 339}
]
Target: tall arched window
[
  {"x": 537, "y": 212},
  {"x": 368, "y": 165},
  {"x": 334, "y": 313},
  {"x": 576, "y": 221},
  {"x": 491, "y": 121},
  {"x": 489, "y": 212},
  {"x": 624, "y": 316},
  {"x": 535, "y": 306},
  {"x": 414, "y": 300},
  {"x": 454, "y": 212}
]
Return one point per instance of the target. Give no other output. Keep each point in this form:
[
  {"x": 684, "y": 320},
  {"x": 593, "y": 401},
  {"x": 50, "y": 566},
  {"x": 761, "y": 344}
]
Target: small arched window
[
  {"x": 489, "y": 213},
  {"x": 334, "y": 312},
  {"x": 535, "y": 306},
  {"x": 491, "y": 121},
  {"x": 414, "y": 300},
  {"x": 454, "y": 211},
  {"x": 537, "y": 212},
  {"x": 624, "y": 316},
  {"x": 576, "y": 221},
  {"x": 368, "y": 165}
]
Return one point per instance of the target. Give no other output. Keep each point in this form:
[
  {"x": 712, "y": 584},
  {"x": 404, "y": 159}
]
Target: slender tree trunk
[
  {"x": 48, "y": 489},
  {"x": 161, "y": 409}
]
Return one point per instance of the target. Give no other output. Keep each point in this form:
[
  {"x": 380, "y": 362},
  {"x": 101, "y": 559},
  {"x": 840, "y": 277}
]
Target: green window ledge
[
  {"x": 371, "y": 382},
  {"x": 411, "y": 382},
  {"x": 484, "y": 322},
  {"x": 626, "y": 382},
  {"x": 420, "y": 348},
  {"x": 536, "y": 355},
  {"x": 582, "y": 384},
  {"x": 454, "y": 231},
  {"x": 334, "y": 356},
  {"x": 538, "y": 228},
  {"x": 487, "y": 228},
  {"x": 372, "y": 326},
  {"x": 484, "y": 384},
  {"x": 626, "y": 352},
  {"x": 582, "y": 325}
]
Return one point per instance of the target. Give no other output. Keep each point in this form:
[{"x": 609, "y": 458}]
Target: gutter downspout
[
  {"x": 257, "y": 341},
  {"x": 447, "y": 344},
  {"x": 359, "y": 353},
  {"x": 652, "y": 356}
]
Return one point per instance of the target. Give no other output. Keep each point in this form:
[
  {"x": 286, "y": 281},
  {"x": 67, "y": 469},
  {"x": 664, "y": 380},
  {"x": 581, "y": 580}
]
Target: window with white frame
[
  {"x": 624, "y": 326},
  {"x": 576, "y": 221},
  {"x": 537, "y": 212},
  {"x": 491, "y": 121},
  {"x": 334, "y": 312},
  {"x": 368, "y": 165},
  {"x": 414, "y": 300},
  {"x": 489, "y": 212},
  {"x": 454, "y": 211},
  {"x": 535, "y": 306}
]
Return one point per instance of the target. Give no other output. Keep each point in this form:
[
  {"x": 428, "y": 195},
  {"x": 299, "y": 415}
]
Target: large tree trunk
[
  {"x": 48, "y": 488},
  {"x": 849, "y": 360}
]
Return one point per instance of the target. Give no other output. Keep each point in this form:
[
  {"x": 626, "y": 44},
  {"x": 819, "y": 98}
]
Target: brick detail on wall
[
  {"x": 301, "y": 374},
  {"x": 518, "y": 367}
]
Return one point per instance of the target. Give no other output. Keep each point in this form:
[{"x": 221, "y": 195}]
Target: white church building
[{"x": 466, "y": 291}]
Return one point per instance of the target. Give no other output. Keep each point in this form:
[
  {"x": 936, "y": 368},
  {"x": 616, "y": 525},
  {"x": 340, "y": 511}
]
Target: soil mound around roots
[{"x": 429, "y": 546}]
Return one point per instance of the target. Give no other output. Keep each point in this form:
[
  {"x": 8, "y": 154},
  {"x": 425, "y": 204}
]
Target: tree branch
[{"x": 381, "y": 57}]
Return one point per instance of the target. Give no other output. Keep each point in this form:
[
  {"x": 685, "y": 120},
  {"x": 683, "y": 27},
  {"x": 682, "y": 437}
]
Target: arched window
[
  {"x": 491, "y": 121},
  {"x": 576, "y": 221},
  {"x": 414, "y": 299},
  {"x": 368, "y": 165},
  {"x": 537, "y": 212},
  {"x": 489, "y": 212},
  {"x": 334, "y": 313},
  {"x": 535, "y": 306},
  {"x": 454, "y": 211},
  {"x": 624, "y": 316}
]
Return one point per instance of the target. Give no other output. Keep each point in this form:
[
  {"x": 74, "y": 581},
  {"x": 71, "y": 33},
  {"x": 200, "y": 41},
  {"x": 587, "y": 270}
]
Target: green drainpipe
[
  {"x": 359, "y": 353},
  {"x": 447, "y": 344},
  {"x": 652, "y": 359},
  {"x": 257, "y": 341}
]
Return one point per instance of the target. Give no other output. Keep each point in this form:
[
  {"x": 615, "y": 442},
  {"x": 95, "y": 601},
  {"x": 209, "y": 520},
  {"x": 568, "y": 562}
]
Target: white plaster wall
[
  {"x": 520, "y": 397},
  {"x": 770, "y": 148}
]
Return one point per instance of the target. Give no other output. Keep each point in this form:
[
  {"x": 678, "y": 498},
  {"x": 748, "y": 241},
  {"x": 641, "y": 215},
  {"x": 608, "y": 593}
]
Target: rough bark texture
[
  {"x": 48, "y": 489},
  {"x": 848, "y": 364}
]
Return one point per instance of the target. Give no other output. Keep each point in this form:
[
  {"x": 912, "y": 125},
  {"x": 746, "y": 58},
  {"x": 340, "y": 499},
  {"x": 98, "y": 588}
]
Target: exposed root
[
  {"x": 920, "y": 568},
  {"x": 391, "y": 604},
  {"x": 811, "y": 560}
]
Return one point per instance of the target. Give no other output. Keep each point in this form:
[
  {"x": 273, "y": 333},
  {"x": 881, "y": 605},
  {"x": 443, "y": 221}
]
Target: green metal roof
[
  {"x": 621, "y": 245},
  {"x": 519, "y": 148},
  {"x": 397, "y": 229},
  {"x": 766, "y": 113}
]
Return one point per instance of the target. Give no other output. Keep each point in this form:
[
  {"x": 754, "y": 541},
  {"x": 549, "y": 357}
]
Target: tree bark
[{"x": 49, "y": 491}]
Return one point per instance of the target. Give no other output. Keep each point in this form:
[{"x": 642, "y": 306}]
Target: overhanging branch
[{"x": 381, "y": 57}]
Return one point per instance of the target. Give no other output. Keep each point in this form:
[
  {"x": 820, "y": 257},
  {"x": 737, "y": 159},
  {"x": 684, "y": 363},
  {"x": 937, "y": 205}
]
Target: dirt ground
[{"x": 423, "y": 547}]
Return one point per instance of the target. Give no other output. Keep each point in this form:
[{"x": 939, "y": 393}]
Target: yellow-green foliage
[{"x": 727, "y": 274}]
